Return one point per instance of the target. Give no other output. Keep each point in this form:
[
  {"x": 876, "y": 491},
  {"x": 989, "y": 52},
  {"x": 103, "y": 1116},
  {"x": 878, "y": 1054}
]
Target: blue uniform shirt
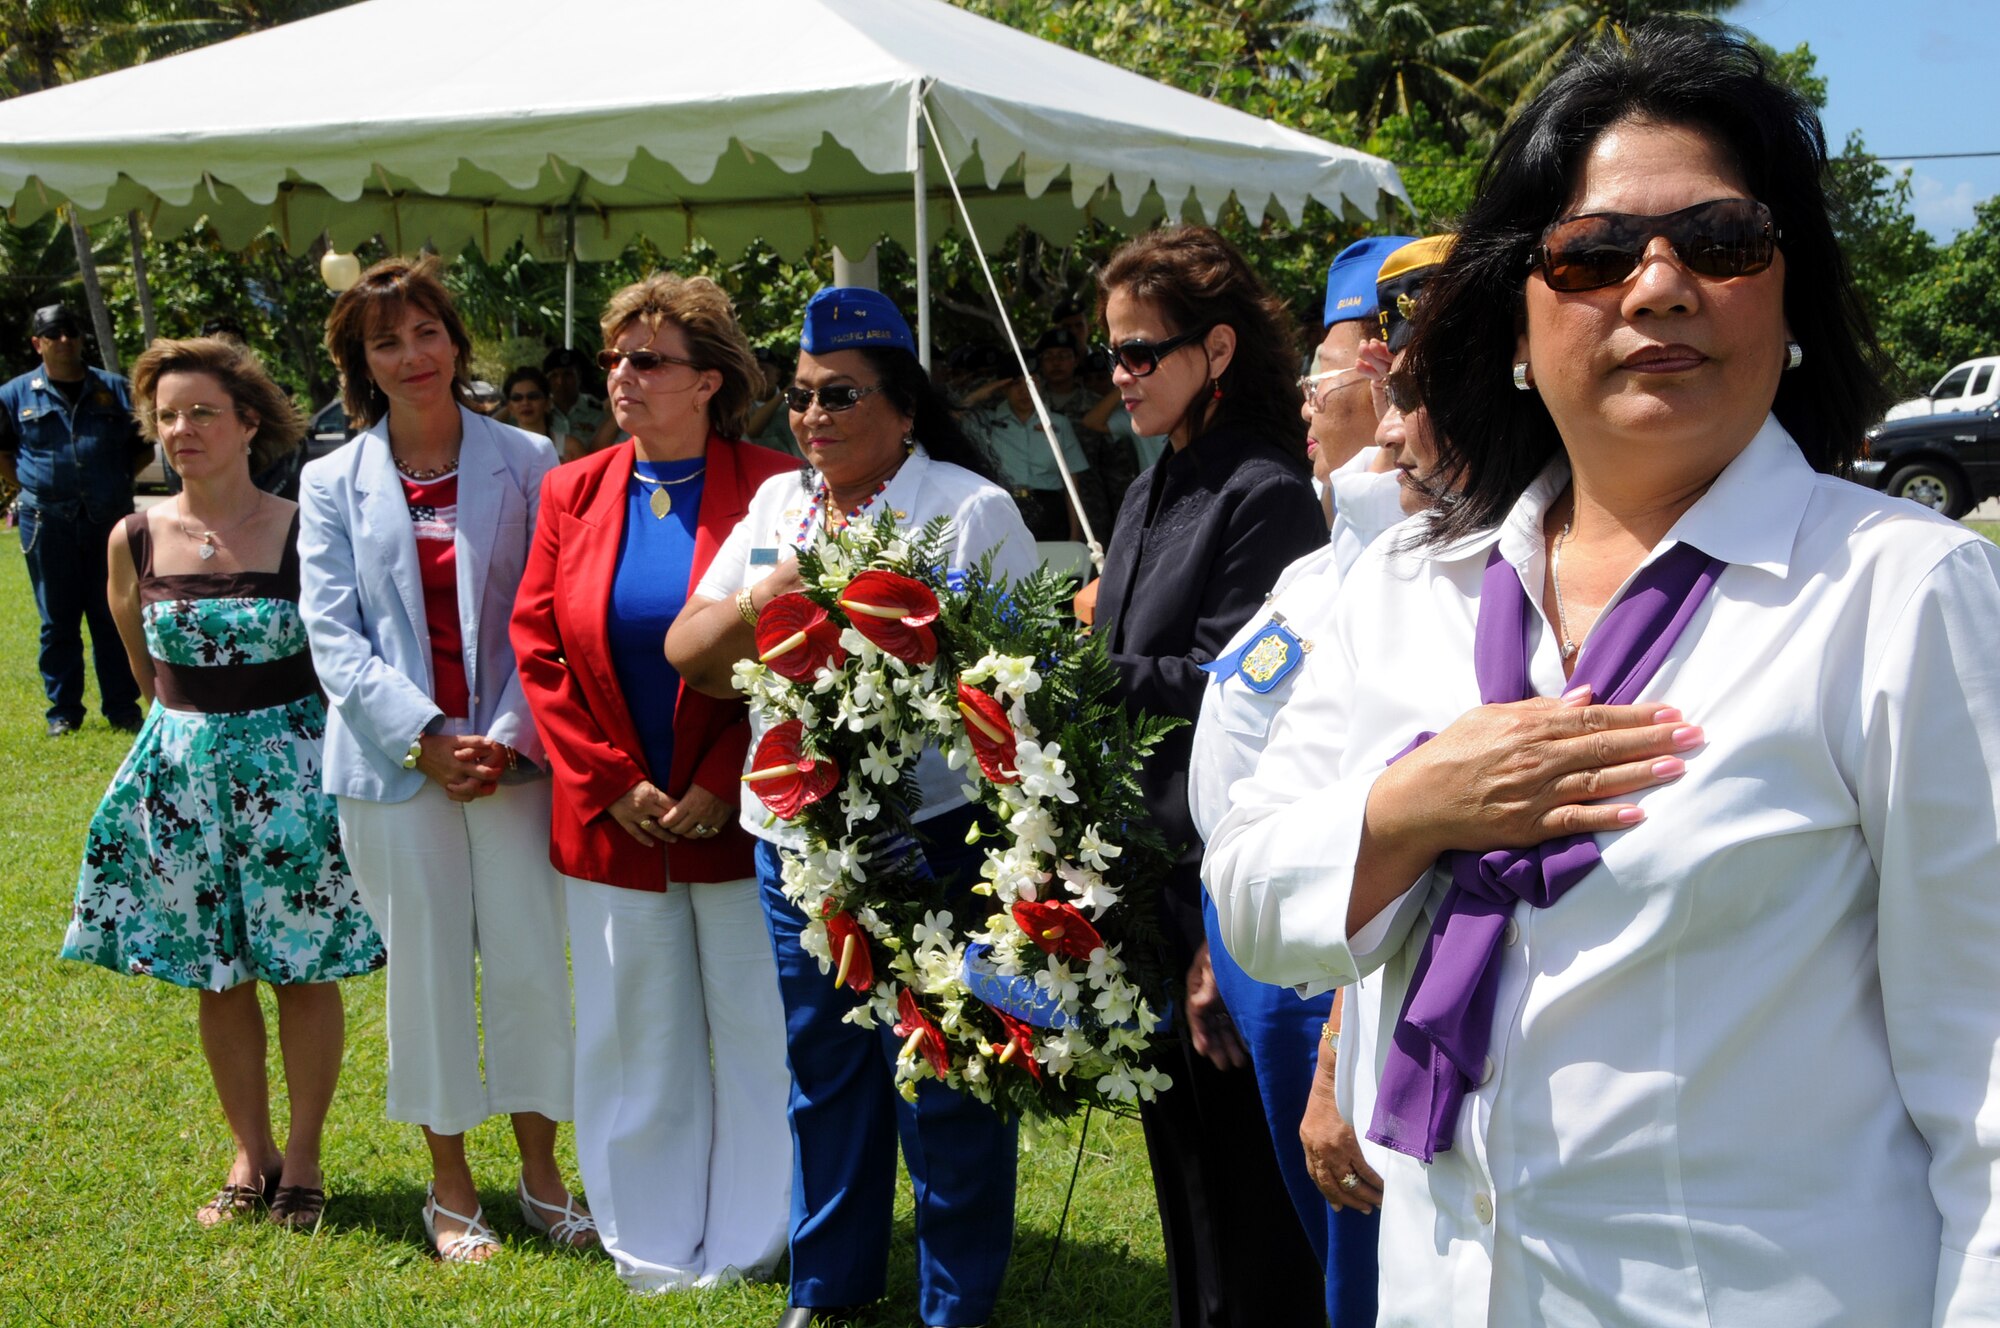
[{"x": 84, "y": 454}]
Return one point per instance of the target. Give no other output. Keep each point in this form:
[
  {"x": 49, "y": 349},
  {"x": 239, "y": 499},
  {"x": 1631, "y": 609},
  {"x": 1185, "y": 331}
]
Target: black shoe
[
  {"x": 811, "y": 1316},
  {"x": 125, "y": 723},
  {"x": 61, "y": 728}
]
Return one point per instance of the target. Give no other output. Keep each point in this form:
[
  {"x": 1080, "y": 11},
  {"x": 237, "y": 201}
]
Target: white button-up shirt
[
  {"x": 984, "y": 520},
  {"x": 1747, "y": 1071}
]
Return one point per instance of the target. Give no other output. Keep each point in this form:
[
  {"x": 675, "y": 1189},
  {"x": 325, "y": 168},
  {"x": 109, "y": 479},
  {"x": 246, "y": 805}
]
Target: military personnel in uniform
[{"x": 67, "y": 437}]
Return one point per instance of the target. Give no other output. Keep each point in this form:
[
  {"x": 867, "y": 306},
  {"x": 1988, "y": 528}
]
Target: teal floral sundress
[{"x": 215, "y": 856}]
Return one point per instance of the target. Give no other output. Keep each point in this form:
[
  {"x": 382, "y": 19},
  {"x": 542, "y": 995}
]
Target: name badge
[{"x": 766, "y": 557}]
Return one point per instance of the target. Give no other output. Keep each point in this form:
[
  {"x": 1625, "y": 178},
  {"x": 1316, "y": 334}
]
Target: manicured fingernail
[
  {"x": 1576, "y": 696},
  {"x": 1688, "y": 735},
  {"x": 1631, "y": 815},
  {"x": 1670, "y": 768},
  {"x": 1667, "y": 716}
]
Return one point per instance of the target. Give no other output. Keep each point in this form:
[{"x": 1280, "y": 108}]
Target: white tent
[{"x": 486, "y": 121}]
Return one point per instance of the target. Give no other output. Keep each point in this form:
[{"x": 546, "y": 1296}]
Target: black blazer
[{"x": 1201, "y": 537}]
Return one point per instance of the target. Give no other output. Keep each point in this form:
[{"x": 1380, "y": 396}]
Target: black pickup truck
[{"x": 1949, "y": 463}]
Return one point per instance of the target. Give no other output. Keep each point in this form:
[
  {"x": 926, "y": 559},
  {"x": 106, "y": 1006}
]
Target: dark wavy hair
[
  {"x": 1196, "y": 278},
  {"x": 1694, "y": 73},
  {"x": 377, "y": 301}
]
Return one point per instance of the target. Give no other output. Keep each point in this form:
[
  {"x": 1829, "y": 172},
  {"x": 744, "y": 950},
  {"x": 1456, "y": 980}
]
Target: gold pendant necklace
[{"x": 661, "y": 501}]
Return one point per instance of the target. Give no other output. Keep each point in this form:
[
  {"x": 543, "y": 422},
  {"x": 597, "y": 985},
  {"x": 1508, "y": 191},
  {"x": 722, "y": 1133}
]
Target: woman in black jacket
[{"x": 1204, "y": 355}]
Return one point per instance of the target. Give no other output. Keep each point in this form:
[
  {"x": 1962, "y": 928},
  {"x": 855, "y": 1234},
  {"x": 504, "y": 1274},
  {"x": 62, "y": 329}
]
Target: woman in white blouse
[{"x": 1689, "y": 1011}]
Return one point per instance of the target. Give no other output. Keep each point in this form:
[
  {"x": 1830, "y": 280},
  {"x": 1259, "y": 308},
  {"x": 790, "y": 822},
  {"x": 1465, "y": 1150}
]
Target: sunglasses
[
  {"x": 523, "y": 397},
  {"x": 1397, "y": 391},
  {"x": 1722, "y": 238},
  {"x": 1140, "y": 358},
  {"x": 199, "y": 416},
  {"x": 645, "y": 361},
  {"x": 833, "y": 400},
  {"x": 60, "y": 334}
]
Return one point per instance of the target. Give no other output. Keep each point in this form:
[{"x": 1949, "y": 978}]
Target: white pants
[
  {"x": 444, "y": 881},
  {"x": 688, "y": 1168}
]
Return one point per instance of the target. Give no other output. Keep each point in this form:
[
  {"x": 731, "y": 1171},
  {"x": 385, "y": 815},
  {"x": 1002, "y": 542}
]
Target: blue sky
[{"x": 1913, "y": 76}]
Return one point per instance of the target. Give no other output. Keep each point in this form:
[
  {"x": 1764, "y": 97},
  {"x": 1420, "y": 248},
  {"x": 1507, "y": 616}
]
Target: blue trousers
[
  {"x": 1282, "y": 1034},
  {"x": 846, "y": 1117},
  {"x": 65, "y": 548}
]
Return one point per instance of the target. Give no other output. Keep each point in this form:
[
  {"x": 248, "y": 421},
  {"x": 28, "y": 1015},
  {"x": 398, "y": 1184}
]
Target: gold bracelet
[
  {"x": 1330, "y": 1035},
  {"x": 746, "y": 608}
]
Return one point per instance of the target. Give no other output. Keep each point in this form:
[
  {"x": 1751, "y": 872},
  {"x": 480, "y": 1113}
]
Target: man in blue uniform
[{"x": 67, "y": 437}]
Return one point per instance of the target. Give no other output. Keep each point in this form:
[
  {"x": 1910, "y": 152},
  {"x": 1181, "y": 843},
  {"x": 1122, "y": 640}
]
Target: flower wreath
[{"x": 1051, "y": 999}]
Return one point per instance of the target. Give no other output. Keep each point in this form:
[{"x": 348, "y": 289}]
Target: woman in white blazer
[{"x": 412, "y": 540}]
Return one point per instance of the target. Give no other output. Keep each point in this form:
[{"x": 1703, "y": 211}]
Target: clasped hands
[
  {"x": 651, "y": 817},
  {"x": 468, "y": 766}
]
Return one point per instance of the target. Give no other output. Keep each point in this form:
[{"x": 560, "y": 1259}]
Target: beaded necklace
[{"x": 836, "y": 519}]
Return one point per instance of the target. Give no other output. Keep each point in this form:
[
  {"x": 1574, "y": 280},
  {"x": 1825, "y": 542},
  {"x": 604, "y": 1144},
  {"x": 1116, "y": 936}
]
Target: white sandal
[
  {"x": 570, "y": 1221},
  {"x": 456, "y": 1249}
]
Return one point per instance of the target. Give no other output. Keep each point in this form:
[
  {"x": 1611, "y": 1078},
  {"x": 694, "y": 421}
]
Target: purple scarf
[{"x": 1438, "y": 1051}]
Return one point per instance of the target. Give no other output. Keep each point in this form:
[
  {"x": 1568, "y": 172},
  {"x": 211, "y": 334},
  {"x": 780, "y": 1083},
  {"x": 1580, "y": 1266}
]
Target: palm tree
[
  {"x": 1522, "y": 63},
  {"x": 1404, "y": 53}
]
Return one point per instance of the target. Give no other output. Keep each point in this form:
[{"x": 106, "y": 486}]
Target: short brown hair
[
  {"x": 242, "y": 376},
  {"x": 377, "y": 301},
  {"x": 703, "y": 312}
]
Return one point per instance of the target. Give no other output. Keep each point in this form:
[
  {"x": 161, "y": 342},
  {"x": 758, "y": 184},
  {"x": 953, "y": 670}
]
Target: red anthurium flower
[
  {"x": 992, "y": 736},
  {"x": 894, "y": 612},
  {"x": 919, "y": 1034},
  {"x": 785, "y": 779},
  {"x": 795, "y": 637},
  {"x": 1057, "y": 927},
  {"x": 1019, "y": 1048},
  {"x": 850, "y": 951}
]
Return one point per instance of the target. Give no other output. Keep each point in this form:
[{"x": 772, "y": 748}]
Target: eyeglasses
[
  {"x": 60, "y": 334},
  {"x": 198, "y": 416},
  {"x": 833, "y": 400},
  {"x": 1722, "y": 238},
  {"x": 523, "y": 397},
  {"x": 1396, "y": 392},
  {"x": 645, "y": 361},
  {"x": 1316, "y": 386},
  {"x": 1140, "y": 358}
]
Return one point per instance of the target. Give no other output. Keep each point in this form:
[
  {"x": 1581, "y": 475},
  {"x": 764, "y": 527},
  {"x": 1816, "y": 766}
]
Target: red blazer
[{"x": 564, "y": 656}]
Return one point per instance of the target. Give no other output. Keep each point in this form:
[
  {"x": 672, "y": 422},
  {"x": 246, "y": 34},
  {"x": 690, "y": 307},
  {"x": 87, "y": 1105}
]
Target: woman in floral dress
[{"x": 214, "y": 860}]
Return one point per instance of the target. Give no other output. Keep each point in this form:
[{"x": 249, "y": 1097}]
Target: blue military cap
[
  {"x": 1350, "y": 278},
  {"x": 853, "y": 318}
]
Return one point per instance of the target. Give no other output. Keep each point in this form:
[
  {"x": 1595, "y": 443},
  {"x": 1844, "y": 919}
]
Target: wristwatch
[{"x": 416, "y": 750}]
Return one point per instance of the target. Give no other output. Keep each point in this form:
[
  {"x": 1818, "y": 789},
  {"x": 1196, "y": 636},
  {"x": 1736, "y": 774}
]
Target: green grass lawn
[
  {"x": 110, "y": 1137},
  {"x": 1990, "y": 529}
]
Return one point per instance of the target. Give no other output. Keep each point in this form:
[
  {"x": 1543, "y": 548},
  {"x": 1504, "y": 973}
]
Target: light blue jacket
[{"x": 363, "y": 600}]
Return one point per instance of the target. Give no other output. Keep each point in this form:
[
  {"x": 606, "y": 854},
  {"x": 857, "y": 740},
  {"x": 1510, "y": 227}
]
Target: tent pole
[
  {"x": 569, "y": 276},
  {"x": 923, "y": 250}
]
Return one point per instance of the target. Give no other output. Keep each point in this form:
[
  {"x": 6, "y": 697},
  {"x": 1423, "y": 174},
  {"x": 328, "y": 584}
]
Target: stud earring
[
  {"x": 1521, "y": 383},
  {"x": 1794, "y": 355}
]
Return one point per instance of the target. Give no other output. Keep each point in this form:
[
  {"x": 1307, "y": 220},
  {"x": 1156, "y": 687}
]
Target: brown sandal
[{"x": 298, "y": 1206}]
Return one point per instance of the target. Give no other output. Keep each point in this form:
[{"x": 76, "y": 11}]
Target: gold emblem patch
[{"x": 1266, "y": 659}]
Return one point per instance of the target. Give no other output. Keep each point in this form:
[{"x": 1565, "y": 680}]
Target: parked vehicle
[
  {"x": 1949, "y": 463},
  {"x": 1971, "y": 386}
]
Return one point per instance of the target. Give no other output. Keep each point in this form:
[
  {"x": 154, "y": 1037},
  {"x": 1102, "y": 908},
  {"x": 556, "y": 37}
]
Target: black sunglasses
[
  {"x": 1722, "y": 238},
  {"x": 1139, "y": 358},
  {"x": 645, "y": 361},
  {"x": 833, "y": 400},
  {"x": 528, "y": 396}
]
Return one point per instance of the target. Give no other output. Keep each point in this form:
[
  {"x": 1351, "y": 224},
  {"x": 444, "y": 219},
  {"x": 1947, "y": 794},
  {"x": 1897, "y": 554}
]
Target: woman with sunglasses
[
  {"x": 1204, "y": 355},
  {"x": 528, "y": 406},
  {"x": 680, "y": 1056},
  {"x": 411, "y": 542},
  {"x": 878, "y": 437},
  {"x": 1692, "y": 1023}
]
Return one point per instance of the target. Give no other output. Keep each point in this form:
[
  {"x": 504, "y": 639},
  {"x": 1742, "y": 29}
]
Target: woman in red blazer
[{"x": 688, "y": 1167}]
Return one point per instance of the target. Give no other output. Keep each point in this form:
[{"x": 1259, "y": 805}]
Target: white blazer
[{"x": 363, "y": 600}]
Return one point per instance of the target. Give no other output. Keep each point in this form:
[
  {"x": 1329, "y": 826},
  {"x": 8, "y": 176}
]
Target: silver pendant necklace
[
  {"x": 206, "y": 538},
  {"x": 1569, "y": 647}
]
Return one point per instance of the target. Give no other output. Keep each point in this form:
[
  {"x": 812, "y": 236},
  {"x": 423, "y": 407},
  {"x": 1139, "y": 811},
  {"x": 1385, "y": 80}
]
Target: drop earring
[
  {"x": 1794, "y": 355},
  {"x": 1215, "y": 389},
  {"x": 1521, "y": 383}
]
